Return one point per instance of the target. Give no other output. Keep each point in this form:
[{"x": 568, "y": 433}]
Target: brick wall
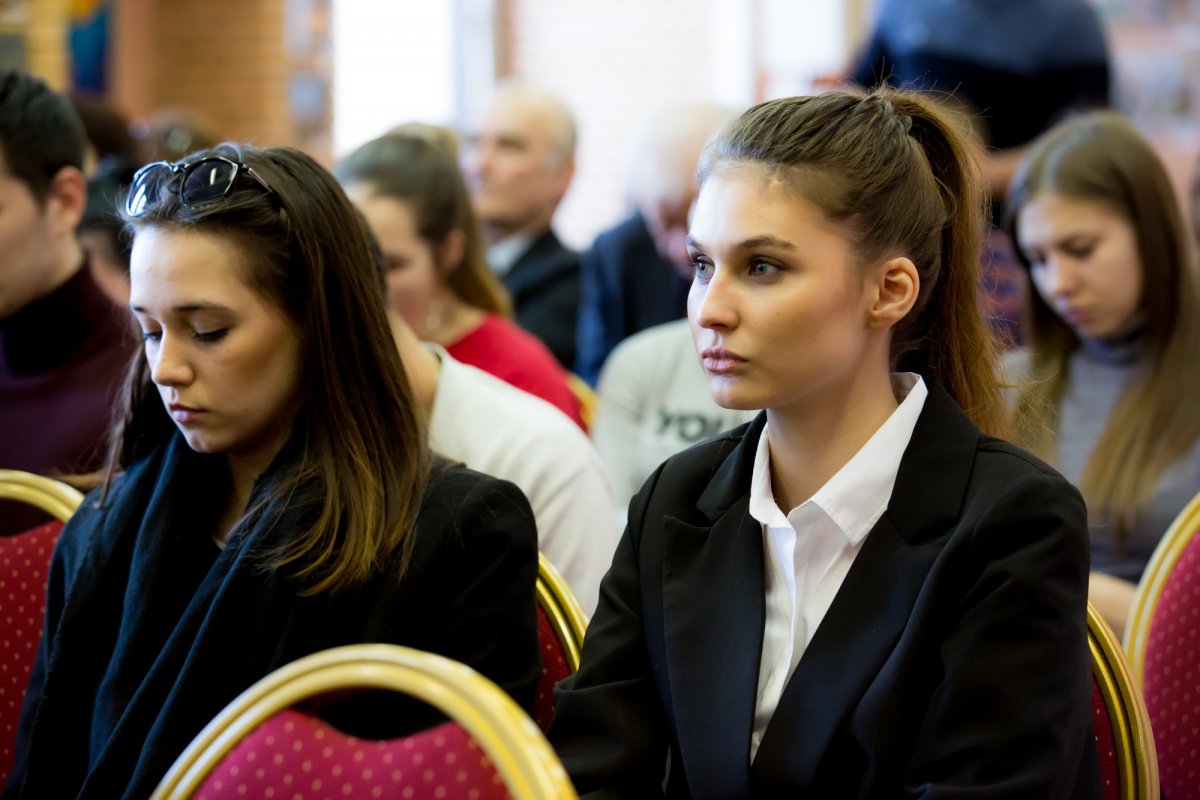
[{"x": 223, "y": 59}]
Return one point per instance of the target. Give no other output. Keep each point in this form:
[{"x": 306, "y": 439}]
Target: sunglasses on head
[{"x": 199, "y": 182}]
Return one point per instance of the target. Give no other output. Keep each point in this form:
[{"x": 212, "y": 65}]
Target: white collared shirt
[
  {"x": 503, "y": 254},
  {"x": 809, "y": 551}
]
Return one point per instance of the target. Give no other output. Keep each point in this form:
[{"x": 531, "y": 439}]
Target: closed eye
[{"x": 210, "y": 336}]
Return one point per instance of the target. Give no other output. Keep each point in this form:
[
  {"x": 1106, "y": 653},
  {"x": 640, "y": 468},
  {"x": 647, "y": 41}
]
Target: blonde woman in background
[{"x": 1113, "y": 362}]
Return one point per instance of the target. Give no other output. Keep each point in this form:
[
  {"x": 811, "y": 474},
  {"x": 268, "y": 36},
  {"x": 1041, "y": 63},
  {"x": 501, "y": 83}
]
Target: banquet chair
[
  {"x": 1128, "y": 765},
  {"x": 24, "y": 570},
  {"x": 1162, "y": 639},
  {"x": 561, "y": 625},
  {"x": 264, "y": 744}
]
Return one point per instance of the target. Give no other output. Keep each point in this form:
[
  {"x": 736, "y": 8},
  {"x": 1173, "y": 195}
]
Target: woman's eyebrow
[{"x": 765, "y": 240}]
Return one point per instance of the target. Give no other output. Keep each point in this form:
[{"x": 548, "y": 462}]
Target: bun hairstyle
[{"x": 896, "y": 170}]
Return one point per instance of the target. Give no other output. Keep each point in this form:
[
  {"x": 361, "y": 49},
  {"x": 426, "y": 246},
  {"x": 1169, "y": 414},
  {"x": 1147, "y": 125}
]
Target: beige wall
[{"x": 223, "y": 59}]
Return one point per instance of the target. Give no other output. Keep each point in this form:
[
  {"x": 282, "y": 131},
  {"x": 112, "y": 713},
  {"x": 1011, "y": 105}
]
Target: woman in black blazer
[
  {"x": 915, "y": 625},
  {"x": 269, "y": 493}
]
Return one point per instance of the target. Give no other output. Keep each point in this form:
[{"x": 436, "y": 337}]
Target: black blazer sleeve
[
  {"x": 608, "y": 728},
  {"x": 1011, "y": 708}
]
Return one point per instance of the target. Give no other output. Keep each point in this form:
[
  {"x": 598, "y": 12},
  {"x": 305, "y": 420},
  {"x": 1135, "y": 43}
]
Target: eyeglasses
[{"x": 202, "y": 181}]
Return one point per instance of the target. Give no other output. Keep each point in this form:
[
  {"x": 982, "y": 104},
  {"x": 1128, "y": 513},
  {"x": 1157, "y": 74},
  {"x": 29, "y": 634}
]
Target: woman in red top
[{"x": 408, "y": 185}]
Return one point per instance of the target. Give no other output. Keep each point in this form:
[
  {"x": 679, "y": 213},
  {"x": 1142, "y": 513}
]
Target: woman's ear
[
  {"x": 450, "y": 252},
  {"x": 896, "y": 288}
]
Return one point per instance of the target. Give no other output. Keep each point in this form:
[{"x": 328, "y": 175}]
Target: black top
[
  {"x": 151, "y": 629},
  {"x": 544, "y": 284},
  {"x": 626, "y": 287},
  {"x": 953, "y": 660}
]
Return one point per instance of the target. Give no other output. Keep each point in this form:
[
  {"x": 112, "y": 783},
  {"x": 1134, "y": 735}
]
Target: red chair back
[
  {"x": 293, "y": 754},
  {"x": 1121, "y": 725},
  {"x": 1106, "y": 746},
  {"x": 24, "y": 570},
  {"x": 1171, "y": 676},
  {"x": 554, "y": 669}
]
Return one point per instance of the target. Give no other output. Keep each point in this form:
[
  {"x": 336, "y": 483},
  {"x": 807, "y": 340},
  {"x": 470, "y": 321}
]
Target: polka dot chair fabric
[
  {"x": 1110, "y": 766},
  {"x": 24, "y": 569},
  {"x": 1171, "y": 678},
  {"x": 554, "y": 669},
  {"x": 294, "y": 756}
]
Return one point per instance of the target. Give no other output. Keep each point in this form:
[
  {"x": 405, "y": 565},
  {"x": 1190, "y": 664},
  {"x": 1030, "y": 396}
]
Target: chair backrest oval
[
  {"x": 1162, "y": 639},
  {"x": 1128, "y": 762},
  {"x": 561, "y": 626},
  {"x": 54, "y": 497},
  {"x": 508, "y": 738}
]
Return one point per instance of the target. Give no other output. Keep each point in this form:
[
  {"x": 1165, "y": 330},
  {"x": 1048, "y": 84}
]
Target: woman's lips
[
  {"x": 719, "y": 361},
  {"x": 184, "y": 414}
]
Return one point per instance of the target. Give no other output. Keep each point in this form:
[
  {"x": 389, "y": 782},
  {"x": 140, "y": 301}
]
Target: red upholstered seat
[
  {"x": 295, "y": 755},
  {"x": 1122, "y": 726},
  {"x": 263, "y": 745},
  {"x": 1110, "y": 766},
  {"x": 24, "y": 569},
  {"x": 554, "y": 669},
  {"x": 561, "y": 625},
  {"x": 1171, "y": 676}
]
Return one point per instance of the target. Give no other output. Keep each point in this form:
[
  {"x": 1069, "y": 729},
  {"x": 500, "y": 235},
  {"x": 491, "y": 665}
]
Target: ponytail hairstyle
[
  {"x": 895, "y": 170},
  {"x": 417, "y": 165},
  {"x": 1100, "y": 157},
  {"x": 362, "y": 460}
]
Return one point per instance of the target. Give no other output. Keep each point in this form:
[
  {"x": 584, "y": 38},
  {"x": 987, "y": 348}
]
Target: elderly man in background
[
  {"x": 637, "y": 274},
  {"x": 518, "y": 164}
]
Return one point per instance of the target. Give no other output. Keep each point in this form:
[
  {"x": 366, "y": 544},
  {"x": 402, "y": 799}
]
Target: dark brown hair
[
  {"x": 1100, "y": 157},
  {"x": 363, "y": 461},
  {"x": 894, "y": 169},
  {"x": 417, "y": 165}
]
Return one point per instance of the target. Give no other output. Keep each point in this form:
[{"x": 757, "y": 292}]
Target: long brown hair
[
  {"x": 417, "y": 165},
  {"x": 895, "y": 169},
  {"x": 363, "y": 461},
  {"x": 1101, "y": 157}
]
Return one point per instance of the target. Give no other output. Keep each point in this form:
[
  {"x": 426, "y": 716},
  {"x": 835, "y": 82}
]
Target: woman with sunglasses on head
[
  {"x": 1113, "y": 362},
  {"x": 408, "y": 185},
  {"x": 268, "y": 493},
  {"x": 862, "y": 593}
]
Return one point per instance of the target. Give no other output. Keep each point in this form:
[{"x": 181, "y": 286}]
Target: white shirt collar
[
  {"x": 857, "y": 494},
  {"x": 503, "y": 254}
]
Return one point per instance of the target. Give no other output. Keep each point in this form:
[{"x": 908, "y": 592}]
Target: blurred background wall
[{"x": 326, "y": 75}]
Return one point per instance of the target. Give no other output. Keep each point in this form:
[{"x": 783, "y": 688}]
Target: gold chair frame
[
  {"x": 510, "y": 739},
  {"x": 586, "y": 396},
  {"x": 1154, "y": 580},
  {"x": 54, "y": 497},
  {"x": 567, "y": 618},
  {"x": 1137, "y": 759}
]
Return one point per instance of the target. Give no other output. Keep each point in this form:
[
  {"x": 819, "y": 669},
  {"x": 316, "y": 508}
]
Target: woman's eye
[
  {"x": 702, "y": 268},
  {"x": 396, "y": 264},
  {"x": 1079, "y": 253},
  {"x": 210, "y": 336},
  {"x": 762, "y": 269},
  {"x": 151, "y": 336}
]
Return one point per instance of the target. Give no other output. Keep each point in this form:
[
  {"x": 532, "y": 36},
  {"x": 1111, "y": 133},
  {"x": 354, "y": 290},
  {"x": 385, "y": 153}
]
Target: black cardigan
[{"x": 151, "y": 630}]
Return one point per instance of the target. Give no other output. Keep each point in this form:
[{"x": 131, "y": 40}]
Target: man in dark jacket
[{"x": 518, "y": 166}]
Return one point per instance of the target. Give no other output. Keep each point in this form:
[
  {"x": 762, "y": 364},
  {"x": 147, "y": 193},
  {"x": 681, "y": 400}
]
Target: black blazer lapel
[
  {"x": 713, "y": 611},
  {"x": 873, "y": 605}
]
